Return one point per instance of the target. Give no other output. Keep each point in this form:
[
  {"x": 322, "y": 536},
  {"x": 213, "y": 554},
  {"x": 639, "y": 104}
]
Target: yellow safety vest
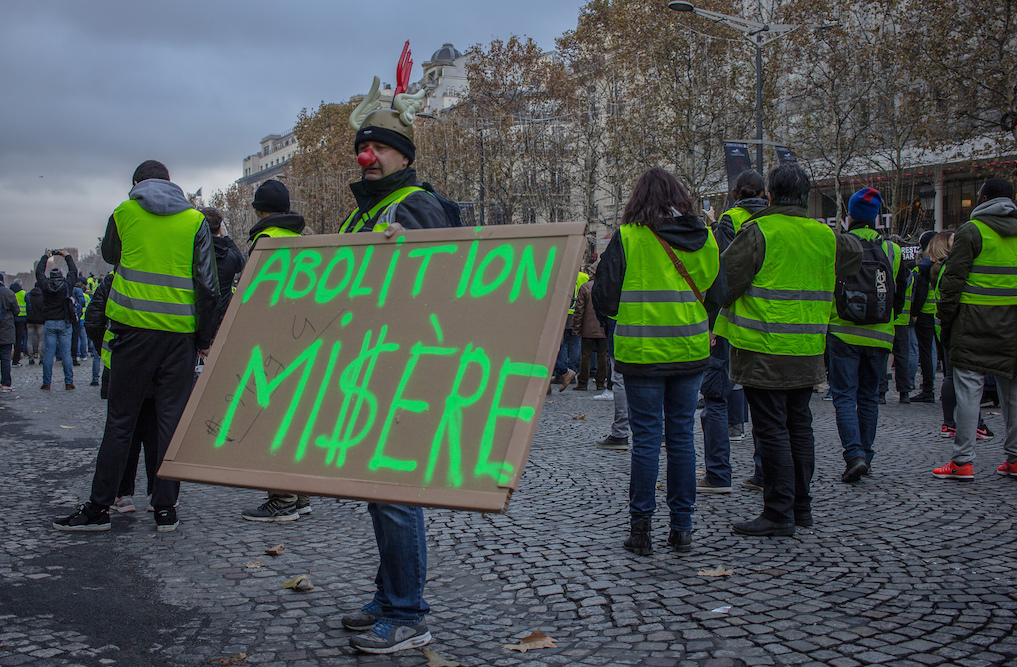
[
  {"x": 992, "y": 280},
  {"x": 869, "y": 335},
  {"x": 386, "y": 208}
]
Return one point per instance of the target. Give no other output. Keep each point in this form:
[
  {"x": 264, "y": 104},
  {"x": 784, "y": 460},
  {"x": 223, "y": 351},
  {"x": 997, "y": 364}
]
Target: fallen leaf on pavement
[
  {"x": 254, "y": 564},
  {"x": 435, "y": 660},
  {"x": 238, "y": 659},
  {"x": 579, "y": 417},
  {"x": 718, "y": 571},
  {"x": 301, "y": 583},
  {"x": 276, "y": 550},
  {"x": 62, "y": 426},
  {"x": 537, "y": 640}
]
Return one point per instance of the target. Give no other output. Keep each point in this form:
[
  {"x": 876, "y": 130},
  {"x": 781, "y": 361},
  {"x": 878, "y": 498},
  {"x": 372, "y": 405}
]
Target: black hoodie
[
  {"x": 55, "y": 294},
  {"x": 687, "y": 233}
]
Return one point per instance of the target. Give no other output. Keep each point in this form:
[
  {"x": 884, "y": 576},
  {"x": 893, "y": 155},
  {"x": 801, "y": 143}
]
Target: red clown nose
[{"x": 366, "y": 157}]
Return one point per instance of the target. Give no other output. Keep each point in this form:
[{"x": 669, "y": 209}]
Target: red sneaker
[
  {"x": 953, "y": 471},
  {"x": 1008, "y": 469},
  {"x": 948, "y": 431}
]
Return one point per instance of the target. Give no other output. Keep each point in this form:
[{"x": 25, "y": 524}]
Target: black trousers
[
  {"x": 925, "y": 332},
  {"x": 782, "y": 424},
  {"x": 20, "y": 334},
  {"x": 143, "y": 363},
  {"x": 589, "y": 347},
  {"x": 146, "y": 434}
]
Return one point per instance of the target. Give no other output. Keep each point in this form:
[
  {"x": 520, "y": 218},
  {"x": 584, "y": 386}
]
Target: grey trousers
[
  {"x": 968, "y": 387},
  {"x": 620, "y": 425}
]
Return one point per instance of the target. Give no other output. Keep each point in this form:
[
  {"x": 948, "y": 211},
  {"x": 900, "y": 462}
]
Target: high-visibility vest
[
  {"x": 273, "y": 233},
  {"x": 786, "y": 309},
  {"x": 869, "y": 335},
  {"x": 738, "y": 216},
  {"x": 105, "y": 353},
  {"x": 660, "y": 320},
  {"x": 931, "y": 300},
  {"x": 992, "y": 280},
  {"x": 383, "y": 213},
  {"x": 581, "y": 280},
  {"x": 91, "y": 283},
  {"x": 22, "y": 310},
  {"x": 153, "y": 287},
  {"x": 904, "y": 319}
]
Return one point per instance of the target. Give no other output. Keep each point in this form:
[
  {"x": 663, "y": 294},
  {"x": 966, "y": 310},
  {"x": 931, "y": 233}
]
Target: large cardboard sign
[{"x": 408, "y": 370}]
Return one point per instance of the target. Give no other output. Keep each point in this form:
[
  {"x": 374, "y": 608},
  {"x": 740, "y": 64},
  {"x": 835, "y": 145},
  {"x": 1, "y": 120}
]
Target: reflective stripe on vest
[
  {"x": 20, "y": 296},
  {"x": 869, "y": 335},
  {"x": 386, "y": 207},
  {"x": 738, "y": 216},
  {"x": 992, "y": 280},
  {"x": 660, "y": 320},
  {"x": 786, "y": 309},
  {"x": 153, "y": 287}
]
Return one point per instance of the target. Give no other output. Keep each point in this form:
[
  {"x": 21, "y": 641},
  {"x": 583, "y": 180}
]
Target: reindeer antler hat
[{"x": 392, "y": 127}]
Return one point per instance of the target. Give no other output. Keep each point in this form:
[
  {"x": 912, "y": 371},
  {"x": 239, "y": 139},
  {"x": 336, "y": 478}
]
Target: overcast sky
[{"x": 92, "y": 89}]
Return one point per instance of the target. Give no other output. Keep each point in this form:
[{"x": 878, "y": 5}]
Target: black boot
[
  {"x": 763, "y": 526},
  {"x": 680, "y": 540},
  {"x": 639, "y": 538}
]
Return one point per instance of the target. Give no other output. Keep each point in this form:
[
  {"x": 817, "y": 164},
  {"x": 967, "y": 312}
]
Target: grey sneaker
[
  {"x": 752, "y": 484},
  {"x": 613, "y": 442},
  {"x": 364, "y": 618},
  {"x": 736, "y": 432},
  {"x": 703, "y": 486},
  {"x": 123, "y": 504},
  {"x": 303, "y": 506},
  {"x": 388, "y": 637},
  {"x": 272, "y": 510}
]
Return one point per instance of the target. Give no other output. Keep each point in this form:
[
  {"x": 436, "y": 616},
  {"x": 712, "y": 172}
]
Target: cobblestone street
[{"x": 899, "y": 569}]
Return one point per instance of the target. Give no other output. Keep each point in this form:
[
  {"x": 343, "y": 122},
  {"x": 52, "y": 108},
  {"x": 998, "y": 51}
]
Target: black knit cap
[
  {"x": 383, "y": 135},
  {"x": 272, "y": 197}
]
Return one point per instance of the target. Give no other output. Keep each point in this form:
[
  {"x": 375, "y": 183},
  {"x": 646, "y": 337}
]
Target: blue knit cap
[{"x": 865, "y": 204}]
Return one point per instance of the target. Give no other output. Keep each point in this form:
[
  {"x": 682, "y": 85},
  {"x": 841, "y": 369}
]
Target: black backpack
[
  {"x": 455, "y": 218},
  {"x": 867, "y": 297}
]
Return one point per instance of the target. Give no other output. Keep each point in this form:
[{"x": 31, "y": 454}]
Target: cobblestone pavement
[{"x": 900, "y": 569}]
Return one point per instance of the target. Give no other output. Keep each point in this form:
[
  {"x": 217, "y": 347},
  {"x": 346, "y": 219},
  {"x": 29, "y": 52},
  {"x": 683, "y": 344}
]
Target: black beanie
[
  {"x": 383, "y": 135},
  {"x": 272, "y": 197}
]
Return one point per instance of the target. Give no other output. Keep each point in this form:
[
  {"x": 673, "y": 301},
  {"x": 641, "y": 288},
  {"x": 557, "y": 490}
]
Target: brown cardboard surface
[{"x": 410, "y": 370}]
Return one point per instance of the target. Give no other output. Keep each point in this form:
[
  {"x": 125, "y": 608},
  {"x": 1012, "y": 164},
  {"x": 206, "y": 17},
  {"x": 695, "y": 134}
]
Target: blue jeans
[
  {"x": 402, "y": 570},
  {"x": 569, "y": 352},
  {"x": 663, "y": 408},
  {"x": 58, "y": 333},
  {"x": 855, "y": 372},
  {"x": 96, "y": 367},
  {"x": 714, "y": 417}
]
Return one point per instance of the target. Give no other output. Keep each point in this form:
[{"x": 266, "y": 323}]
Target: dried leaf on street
[
  {"x": 301, "y": 583},
  {"x": 238, "y": 659},
  {"x": 536, "y": 640},
  {"x": 435, "y": 660},
  {"x": 718, "y": 571},
  {"x": 254, "y": 564},
  {"x": 62, "y": 426},
  {"x": 579, "y": 417},
  {"x": 276, "y": 550}
]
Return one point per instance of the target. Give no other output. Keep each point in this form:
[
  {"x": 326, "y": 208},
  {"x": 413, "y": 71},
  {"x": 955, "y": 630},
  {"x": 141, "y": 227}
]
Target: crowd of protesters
[{"x": 753, "y": 311}]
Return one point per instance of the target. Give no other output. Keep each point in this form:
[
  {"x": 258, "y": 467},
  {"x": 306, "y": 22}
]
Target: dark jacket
[
  {"x": 288, "y": 221},
  {"x": 585, "y": 323},
  {"x": 743, "y": 260},
  {"x": 9, "y": 309},
  {"x": 161, "y": 197},
  {"x": 981, "y": 338},
  {"x": 687, "y": 233},
  {"x": 36, "y": 305},
  {"x": 421, "y": 210},
  {"x": 95, "y": 314},
  {"x": 55, "y": 293},
  {"x": 723, "y": 229},
  {"x": 229, "y": 262}
]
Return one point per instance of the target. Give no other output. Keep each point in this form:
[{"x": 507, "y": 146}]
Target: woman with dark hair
[{"x": 658, "y": 278}]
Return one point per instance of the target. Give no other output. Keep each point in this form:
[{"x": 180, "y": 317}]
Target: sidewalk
[{"x": 900, "y": 568}]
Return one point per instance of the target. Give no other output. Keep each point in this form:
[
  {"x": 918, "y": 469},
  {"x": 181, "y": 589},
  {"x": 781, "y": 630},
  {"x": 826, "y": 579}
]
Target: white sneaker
[
  {"x": 607, "y": 395},
  {"x": 123, "y": 504},
  {"x": 5, "y": 388}
]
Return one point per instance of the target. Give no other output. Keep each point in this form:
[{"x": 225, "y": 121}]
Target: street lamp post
[{"x": 759, "y": 35}]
